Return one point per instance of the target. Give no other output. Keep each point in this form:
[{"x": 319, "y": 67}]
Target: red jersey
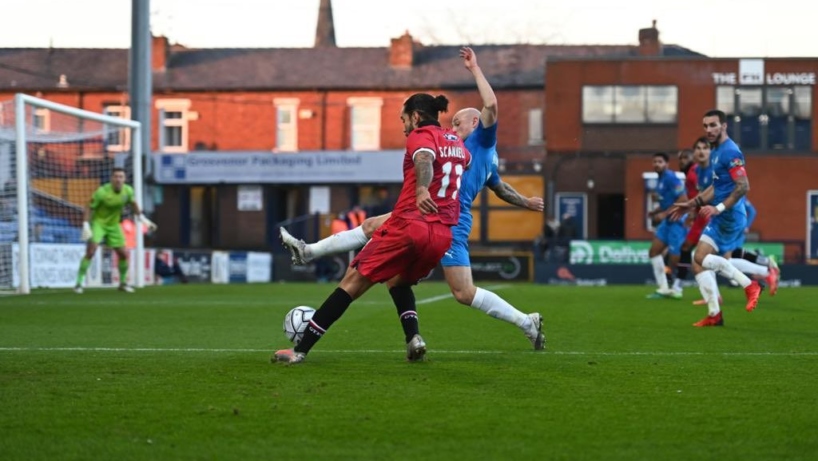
[
  {"x": 450, "y": 161},
  {"x": 691, "y": 182}
]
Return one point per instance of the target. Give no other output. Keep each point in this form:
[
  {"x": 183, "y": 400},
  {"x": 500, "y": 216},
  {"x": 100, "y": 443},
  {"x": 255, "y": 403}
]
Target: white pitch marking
[
  {"x": 383, "y": 351},
  {"x": 449, "y": 295}
]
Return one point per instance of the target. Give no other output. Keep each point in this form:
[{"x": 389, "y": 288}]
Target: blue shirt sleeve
[
  {"x": 494, "y": 175},
  {"x": 675, "y": 185},
  {"x": 486, "y": 137},
  {"x": 751, "y": 213}
]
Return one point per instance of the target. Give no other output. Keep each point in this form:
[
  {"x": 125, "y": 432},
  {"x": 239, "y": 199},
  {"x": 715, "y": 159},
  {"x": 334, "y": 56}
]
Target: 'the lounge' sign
[{"x": 751, "y": 72}]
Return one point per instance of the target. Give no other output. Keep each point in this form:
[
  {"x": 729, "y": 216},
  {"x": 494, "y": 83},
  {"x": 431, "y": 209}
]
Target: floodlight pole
[{"x": 140, "y": 80}]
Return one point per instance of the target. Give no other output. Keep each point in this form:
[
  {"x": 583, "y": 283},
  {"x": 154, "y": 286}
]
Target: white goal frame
[{"x": 23, "y": 184}]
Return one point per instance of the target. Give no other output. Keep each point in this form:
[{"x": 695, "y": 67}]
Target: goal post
[{"x": 54, "y": 157}]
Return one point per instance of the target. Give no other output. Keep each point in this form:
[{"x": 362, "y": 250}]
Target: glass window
[
  {"x": 173, "y": 132},
  {"x": 802, "y": 112},
  {"x": 366, "y": 123},
  {"x": 662, "y": 104},
  {"x": 173, "y": 125},
  {"x": 286, "y": 128},
  {"x": 117, "y": 138},
  {"x": 535, "y": 127},
  {"x": 598, "y": 104},
  {"x": 629, "y": 104},
  {"x": 803, "y": 102},
  {"x": 726, "y": 99},
  {"x": 41, "y": 119}
]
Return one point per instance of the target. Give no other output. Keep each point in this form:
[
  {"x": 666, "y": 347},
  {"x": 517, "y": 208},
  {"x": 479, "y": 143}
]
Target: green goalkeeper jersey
[{"x": 108, "y": 204}]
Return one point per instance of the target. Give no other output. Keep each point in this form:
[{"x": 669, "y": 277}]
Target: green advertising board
[{"x": 636, "y": 251}]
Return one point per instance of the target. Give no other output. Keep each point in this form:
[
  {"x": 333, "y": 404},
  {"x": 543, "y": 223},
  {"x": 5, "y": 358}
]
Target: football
[{"x": 295, "y": 322}]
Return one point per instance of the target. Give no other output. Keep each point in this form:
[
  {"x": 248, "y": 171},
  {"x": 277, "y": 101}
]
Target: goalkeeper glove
[
  {"x": 148, "y": 223},
  {"x": 86, "y": 233}
]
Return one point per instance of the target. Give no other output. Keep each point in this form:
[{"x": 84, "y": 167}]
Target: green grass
[{"x": 183, "y": 373}]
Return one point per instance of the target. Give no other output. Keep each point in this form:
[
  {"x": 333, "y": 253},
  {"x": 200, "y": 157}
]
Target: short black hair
[
  {"x": 701, "y": 140},
  {"x": 118, "y": 169},
  {"x": 716, "y": 113},
  {"x": 427, "y": 106},
  {"x": 661, "y": 154}
]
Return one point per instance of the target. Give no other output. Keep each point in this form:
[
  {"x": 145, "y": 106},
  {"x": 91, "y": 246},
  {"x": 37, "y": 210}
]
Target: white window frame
[
  {"x": 373, "y": 127},
  {"x": 45, "y": 114},
  {"x": 535, "y": 127},
  {"x": 291, "y": 105},
  {"x": 123, "y": 112},
  {"x": 174, "y": 105}
]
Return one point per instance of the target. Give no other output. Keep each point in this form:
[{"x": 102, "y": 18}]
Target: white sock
[
  {"x": 710, "y": 291},
  {"x": 658, "y": 263},
  {"x": 498, "y": 308},
  {"x": 677, "y": 284},
  {"x": 338, "y": 243},
  {"x": 723, "y": 267},
  {"x": 749, "y": 268}
]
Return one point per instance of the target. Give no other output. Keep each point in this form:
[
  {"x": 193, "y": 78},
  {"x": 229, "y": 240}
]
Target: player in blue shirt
[
  {"x": 478, "y": 128},
  {"x": 671, "y": 232},
  {"x": 728, "y": 219}
]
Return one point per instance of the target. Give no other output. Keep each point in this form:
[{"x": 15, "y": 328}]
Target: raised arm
[{"x": 488, "y": 115}]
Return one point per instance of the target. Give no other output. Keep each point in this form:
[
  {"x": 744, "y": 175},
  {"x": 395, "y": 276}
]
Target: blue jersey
[
  {"x": 724, "y": 159},
  {"x": 482, "y": 144},
  {"x": 751, "y": 212},
  {"x": 669, "y": 188},
  {"x": 704, "y": 177}
]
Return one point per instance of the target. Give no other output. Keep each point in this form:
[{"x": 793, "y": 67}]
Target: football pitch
[{"x": 183, "y": 373}]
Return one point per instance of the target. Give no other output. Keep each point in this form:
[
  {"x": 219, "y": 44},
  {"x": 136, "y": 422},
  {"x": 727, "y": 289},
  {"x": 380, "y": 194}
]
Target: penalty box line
[{"x": 384, "y": 351}]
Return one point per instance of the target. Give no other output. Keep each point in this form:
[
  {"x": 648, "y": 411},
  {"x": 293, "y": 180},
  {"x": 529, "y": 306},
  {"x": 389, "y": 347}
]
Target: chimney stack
[
  {"x": 159, "y": 53},
  {"x": 401, "y": 51},
  {"x": 325, "y": 30},
  {"x": 649, "y": 44}
]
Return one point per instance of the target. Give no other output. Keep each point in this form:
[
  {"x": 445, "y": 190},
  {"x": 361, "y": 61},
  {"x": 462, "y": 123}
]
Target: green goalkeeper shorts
[{"x": 113, "y": 235}]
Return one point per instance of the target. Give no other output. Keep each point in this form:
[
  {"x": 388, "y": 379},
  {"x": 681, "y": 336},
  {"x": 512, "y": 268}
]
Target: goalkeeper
[{"x": 105, "y": 212}]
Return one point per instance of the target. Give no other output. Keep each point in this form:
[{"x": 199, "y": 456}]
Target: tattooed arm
[
  {"x": 505, "y": 192},
  {"x": 423, "y": 173}
]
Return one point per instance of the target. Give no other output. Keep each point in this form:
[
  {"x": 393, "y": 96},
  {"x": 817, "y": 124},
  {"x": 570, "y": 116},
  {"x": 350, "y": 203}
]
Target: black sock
[
  {"x": 404, "y": 300},
  {"x": 332, "y": 310},
  {"x": 685, "y": 260}
]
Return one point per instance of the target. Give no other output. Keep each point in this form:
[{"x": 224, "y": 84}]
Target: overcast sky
[{"x": 724, "y": 28}]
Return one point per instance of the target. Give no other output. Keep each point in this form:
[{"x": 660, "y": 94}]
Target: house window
[
  {"x": 768, "y": 117},
  {"x": 286, "y": 125},
  {"x": 41, "y": 119},
  {"x": 173, "y": 125},
  {"x": 117, "y": 138},
  {"x": 535, "y": 137},
  {"x": 630, "y": 104},
  {"x": 366, "y": 123}
]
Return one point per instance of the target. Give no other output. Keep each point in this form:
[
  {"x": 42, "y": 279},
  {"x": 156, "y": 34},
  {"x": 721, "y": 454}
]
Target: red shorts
[
  {"x": 695, "y": 232},
  {"x": 409, "y": 248}
]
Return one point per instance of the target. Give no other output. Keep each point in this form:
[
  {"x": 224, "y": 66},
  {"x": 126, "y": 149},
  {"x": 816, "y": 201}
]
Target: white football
[{"x": 296, "y": 321}]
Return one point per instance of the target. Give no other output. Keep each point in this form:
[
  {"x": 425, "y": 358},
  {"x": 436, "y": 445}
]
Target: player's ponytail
[{"x": 426, "y": 105}]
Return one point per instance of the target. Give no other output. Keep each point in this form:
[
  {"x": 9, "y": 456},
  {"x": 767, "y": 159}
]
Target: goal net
[{"x": 52, "y": 159}]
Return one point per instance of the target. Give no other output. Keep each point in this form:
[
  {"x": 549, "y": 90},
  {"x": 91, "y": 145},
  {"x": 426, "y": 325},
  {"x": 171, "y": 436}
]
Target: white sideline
[{"x": 384, "y": 351}]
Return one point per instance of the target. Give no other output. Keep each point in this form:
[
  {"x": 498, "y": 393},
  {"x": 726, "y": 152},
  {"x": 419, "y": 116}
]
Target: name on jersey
[{"x": 451, "y": 151}]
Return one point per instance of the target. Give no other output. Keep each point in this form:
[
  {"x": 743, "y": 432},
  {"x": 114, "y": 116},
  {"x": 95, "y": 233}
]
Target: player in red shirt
[
  {"x": 414, "y": 239},
  {"x": 687, "y": 165}
]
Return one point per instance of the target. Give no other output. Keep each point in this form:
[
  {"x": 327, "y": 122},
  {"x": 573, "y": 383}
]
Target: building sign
[
  {"x": 751, "y": 72},
  {"x": 250, "y": 198},
  {"x": 575, "y": 206},
  {"x": 268, "y": 168},
  {"x": 636, "y": 252},
  {"x": 812, "y": 225}
]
